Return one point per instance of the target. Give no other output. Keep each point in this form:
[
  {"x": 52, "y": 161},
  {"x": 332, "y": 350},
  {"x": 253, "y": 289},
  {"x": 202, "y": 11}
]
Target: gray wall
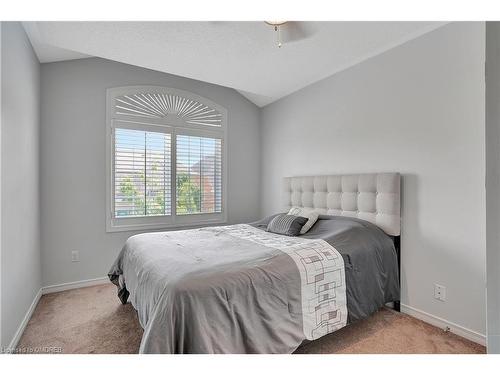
[
  {"x": 73, "y": 161},
  {"x": 21, "y": 271},
  {"x": 493, "y": 184},
  {"x": 417, "y": 109}
]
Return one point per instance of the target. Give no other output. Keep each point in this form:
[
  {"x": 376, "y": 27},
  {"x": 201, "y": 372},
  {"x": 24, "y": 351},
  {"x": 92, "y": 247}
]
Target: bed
[{"x": 241, "y": 289}]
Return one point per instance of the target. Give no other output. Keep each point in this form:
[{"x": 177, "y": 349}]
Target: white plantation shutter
[
  {"x": 142, "y": 173},
  {"x": 198, "y": 175},
  {"x": 166, "y": 157}
]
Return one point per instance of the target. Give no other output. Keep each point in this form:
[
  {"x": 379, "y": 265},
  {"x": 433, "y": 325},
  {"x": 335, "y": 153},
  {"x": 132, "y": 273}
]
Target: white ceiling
[{"x": 240, "y": 55}]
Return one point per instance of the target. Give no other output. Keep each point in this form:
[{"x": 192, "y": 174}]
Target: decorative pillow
[
  {"x": 288, "y": 225},
  {"x": 309, "y": 213}
]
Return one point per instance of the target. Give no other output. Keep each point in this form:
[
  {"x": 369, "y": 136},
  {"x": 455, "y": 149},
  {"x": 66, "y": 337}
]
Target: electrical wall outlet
[
  {"x": 439, "y": 292},
  {"x": 75, "y": 256}
]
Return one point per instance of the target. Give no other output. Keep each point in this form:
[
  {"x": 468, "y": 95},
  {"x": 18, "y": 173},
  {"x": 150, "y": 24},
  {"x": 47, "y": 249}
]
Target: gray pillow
[{"x": 289, "y": 225}]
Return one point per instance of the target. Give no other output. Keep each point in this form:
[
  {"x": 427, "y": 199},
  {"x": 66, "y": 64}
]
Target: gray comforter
[{"x": 206, "y": 291}]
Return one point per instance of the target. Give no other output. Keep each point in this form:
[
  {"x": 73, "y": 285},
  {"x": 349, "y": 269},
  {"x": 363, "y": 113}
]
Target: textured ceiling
[{"x": 240, "y": 55}]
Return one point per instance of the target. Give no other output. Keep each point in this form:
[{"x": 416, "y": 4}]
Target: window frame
[{"x": 173, "y": 125}]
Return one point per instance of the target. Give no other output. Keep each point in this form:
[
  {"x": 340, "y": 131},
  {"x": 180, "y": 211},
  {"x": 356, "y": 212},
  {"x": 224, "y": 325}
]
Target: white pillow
[{"x": 309, "y": 213}]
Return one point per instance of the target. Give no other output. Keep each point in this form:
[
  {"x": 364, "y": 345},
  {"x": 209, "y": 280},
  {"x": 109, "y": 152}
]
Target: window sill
[{"x": 111, "y": 228}]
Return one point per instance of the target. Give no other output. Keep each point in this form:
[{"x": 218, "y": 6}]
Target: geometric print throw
[{"x": 322, "y": 273}]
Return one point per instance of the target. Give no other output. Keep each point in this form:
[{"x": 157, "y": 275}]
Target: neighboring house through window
[{"x": 166, "y": 159}]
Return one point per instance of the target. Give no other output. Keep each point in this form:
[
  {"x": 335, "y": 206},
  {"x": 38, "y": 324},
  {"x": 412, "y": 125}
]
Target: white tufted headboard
[{"x": 371, "y": 197}]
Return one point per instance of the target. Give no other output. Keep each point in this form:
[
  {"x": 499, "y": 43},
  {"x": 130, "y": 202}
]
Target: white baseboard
[
  {"x": 74, "y": 285},
  {"x": 17, "y": 336},
  {"x": 442, "y": 323}
]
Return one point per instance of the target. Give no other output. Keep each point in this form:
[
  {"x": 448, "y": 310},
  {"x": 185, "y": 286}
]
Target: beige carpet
[{"x": 92, "y": 320}]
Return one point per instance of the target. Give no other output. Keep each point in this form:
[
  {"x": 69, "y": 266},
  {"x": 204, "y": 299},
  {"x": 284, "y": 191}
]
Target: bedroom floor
[{"x": 92, "y": 320}]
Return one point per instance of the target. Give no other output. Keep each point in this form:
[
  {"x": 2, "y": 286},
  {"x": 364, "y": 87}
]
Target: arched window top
[{"x": 165, "y": 105}]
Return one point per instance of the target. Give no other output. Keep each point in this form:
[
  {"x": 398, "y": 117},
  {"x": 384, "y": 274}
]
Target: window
[
  {"x": 198, "y": 175},
  {"x": 142, "y": 173},
  {"x": 166, "y": 162}
]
